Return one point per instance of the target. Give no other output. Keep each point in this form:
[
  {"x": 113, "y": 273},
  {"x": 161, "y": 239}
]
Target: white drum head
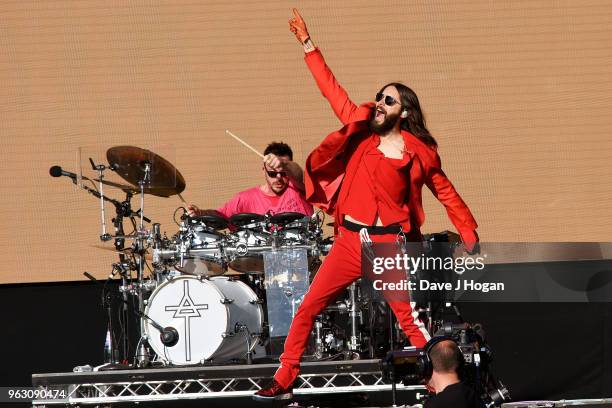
[{"x": 194, "y": 308}]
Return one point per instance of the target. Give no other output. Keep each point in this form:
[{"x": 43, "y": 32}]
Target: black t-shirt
[{"x": 456, "y": 395}]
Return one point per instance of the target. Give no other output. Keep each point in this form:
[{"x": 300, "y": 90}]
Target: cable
[
  {"x": 174, "y": 214},
  {"x": 321, "y": 217},
  {"x": 135, "y": 361},
  {"x": 92, "y": 183}
]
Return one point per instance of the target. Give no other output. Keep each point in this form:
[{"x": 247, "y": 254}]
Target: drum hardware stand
[
  {"x": 182, "y": 253},
  {"x": 248, "y": 335},
  {"x": 100, "y": 168},
  {"x": 185, "y": 236},
  {"x": 354, "y": 313},
  {"x": 156, "y": 242},
  {"x": 145, "y": 179},
  {"x": 124, "y": 267},
  {"x": 106, "y": 304},
  {"x": 393, "y": 386},
  {"x": 371, "y": 317},
  {"x": 110, "y": 348},
  {"x": 319, "y": 350},
  {"x": 124, "y": 209},
  {"x": 391, "y": 326},
  {"x": 142, "y": 355}
]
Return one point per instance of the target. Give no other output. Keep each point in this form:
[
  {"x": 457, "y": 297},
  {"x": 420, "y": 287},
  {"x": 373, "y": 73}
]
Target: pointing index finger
[{"x": 297, "y": 15}]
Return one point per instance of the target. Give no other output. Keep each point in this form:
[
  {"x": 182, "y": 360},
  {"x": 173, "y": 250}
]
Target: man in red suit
[{"x": 369, "y": 175}]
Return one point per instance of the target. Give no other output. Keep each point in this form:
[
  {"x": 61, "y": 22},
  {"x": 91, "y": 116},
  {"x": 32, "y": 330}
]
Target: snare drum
[{"x": 216, "y": 319}]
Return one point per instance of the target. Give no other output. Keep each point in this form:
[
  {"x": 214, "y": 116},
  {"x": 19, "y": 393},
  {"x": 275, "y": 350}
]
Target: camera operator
[{"x": 446, "y": 361}]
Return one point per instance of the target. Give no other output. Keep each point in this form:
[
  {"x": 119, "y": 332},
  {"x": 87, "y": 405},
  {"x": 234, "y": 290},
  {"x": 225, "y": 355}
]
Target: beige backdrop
[{"x": 516, "y": 92}]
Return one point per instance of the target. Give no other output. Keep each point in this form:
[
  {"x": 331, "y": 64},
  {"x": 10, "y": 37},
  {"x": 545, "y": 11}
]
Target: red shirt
[
  {"x": 255, "y": 201},
  {"x": 333, "y": 166},
  {"x": 379, "y": 188}
]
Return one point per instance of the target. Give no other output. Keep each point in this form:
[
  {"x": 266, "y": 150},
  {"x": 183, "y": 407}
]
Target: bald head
[{"x": 445, "y": 357}]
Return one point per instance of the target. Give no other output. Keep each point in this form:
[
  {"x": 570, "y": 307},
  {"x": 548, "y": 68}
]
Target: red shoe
[{"x": 274, "y": 392}]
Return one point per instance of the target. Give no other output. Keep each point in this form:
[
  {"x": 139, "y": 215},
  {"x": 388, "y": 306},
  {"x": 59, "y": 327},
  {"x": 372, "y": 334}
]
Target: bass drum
[{"x": 206, "y": 313}]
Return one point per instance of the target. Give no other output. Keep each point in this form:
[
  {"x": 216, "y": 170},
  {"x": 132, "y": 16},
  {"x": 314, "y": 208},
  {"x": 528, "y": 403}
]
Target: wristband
[{"x": 308, "y": 45}]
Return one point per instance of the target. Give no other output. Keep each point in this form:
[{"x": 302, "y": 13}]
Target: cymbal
[{"x": 130, "y": 162}]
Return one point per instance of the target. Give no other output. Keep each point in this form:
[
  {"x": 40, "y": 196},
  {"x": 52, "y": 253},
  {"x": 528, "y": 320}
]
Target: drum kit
[{"x": 199, "y": 296}]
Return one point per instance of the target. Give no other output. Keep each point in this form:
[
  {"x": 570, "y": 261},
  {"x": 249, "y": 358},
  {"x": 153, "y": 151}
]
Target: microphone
[
  {"x": 56, "y": 171},
  {"x": 169, "y": 336}
]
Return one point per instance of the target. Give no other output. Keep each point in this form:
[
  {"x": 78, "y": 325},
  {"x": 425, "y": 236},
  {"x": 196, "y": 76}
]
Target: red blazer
[{"x": 334, "y": 161}]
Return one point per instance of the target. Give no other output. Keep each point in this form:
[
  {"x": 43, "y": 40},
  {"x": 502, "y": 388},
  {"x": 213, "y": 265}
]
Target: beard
[
  {"x": 386, "y": 125},
  {"x": 278, "y": 190}
]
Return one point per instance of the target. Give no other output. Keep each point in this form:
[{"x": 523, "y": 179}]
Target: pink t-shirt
[{"x": 255, "y": 201}]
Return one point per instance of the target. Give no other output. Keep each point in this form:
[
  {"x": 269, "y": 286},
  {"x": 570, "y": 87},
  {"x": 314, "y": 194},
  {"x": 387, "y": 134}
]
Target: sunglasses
[
  {"x": 389, "y": 100},
  {"x": 273, "y": 174}
]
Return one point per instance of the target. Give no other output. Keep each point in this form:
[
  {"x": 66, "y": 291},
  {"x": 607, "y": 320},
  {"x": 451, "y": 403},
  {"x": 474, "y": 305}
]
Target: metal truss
[{"x": 140, "y": 391}]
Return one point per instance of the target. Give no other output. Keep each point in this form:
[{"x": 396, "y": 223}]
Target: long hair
[{"x": 415, "y": 122}]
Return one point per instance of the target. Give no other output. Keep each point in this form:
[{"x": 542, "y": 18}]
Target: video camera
[{"x": 413, "y": 366}]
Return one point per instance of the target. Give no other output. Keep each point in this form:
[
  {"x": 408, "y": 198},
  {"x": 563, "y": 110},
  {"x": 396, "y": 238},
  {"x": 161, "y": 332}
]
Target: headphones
[
  {"x": 423, "y": 363},
  {"x": 404, "y": 114}
]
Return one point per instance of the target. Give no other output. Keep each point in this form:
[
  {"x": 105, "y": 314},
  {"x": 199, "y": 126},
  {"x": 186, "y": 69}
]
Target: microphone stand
[
  {"x": 106, "y": 303},
  {"x": 118, "y": 205}
]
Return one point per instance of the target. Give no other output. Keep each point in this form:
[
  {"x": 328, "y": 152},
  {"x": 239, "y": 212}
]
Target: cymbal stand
[
  {"x": 142, "y": 354},
  {"x": 124, "y": 266},
  {"x": 141, "y": 184},
  {"x": 100, "y": 168}
]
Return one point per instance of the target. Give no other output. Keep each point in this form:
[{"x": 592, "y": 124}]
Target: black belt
[{"x": 372, "y": 229}]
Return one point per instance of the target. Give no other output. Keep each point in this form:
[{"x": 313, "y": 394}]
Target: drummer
[{"x": 282, "y": 191}]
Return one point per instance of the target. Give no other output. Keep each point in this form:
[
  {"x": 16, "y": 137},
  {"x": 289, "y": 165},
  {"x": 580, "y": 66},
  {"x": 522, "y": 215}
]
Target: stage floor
[{"x": 216, "y": 382}]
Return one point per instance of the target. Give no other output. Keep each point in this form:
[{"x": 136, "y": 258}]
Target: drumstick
[{"x": 244, "y": 143}]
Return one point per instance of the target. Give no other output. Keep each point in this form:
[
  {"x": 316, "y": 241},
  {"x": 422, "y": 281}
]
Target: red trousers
[{"x": 341, "y": 267}]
